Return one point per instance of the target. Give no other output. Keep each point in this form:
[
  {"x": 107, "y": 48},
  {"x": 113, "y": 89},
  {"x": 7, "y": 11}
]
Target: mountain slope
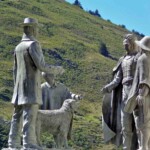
[{"x": 70, "y": 37}]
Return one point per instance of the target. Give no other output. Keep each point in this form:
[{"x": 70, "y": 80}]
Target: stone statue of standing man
[
  {"x": 28, "y": 64},
  {"x": 139, "y": 96}
]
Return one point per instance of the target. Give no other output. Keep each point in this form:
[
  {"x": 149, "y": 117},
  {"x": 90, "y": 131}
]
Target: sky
[{"x": 134, "y": 14}]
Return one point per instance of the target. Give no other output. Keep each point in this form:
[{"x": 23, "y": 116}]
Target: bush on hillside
[
  {"x": 95, "y": 13},
  {"x": 103, "y": 50},
  {"x": 4, "y": 130}
]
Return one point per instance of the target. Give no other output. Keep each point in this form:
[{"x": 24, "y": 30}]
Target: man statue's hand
[
  {"x": 57, "y": 70},
  {"x": 80, "y": 97},
  {"x": 77, "y": 97},
  {"x": 61, "y": 70},
  {"x": 140, "y": 100}
]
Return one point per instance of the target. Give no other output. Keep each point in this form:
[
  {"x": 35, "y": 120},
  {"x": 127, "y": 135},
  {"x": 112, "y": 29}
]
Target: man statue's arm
[
  {"x": 71, "y": 95},
  {"x": 144, "y": 85},
  {"x": 143, "y": 92},
  {"x": 15, "y": 69},
  {"x": 36, "y": 54}
]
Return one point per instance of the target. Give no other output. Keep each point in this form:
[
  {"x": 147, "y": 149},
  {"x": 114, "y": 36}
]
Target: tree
[
  {"x": 108, "y": 20},
  {"x": 137, "y": 33},
  {"x": 91, "y": 12},
  {"x": 77, "y": 3},
  {"x": 97, "y": 13},
  {"x": 123, "y": 26}
]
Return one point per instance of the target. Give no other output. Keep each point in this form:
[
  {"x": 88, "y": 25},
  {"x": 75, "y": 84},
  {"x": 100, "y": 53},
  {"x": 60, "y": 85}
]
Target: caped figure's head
[
  {"x": 30, "y": 27},
  {"x": 129, "y": 43}
]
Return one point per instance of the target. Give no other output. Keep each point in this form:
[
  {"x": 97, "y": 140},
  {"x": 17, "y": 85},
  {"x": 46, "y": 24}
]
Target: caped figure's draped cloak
[{"x": 111, "y": 110}]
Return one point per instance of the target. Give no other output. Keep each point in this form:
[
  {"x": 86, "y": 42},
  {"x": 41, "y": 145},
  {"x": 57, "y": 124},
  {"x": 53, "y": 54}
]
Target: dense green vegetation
[{"x": 70, "y": 37}]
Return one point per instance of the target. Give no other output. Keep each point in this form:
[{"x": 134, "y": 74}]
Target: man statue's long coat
[{"x": 28, "y": 63}]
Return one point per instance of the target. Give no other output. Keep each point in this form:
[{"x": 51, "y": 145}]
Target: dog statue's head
[{"x": 71, "y": 104}]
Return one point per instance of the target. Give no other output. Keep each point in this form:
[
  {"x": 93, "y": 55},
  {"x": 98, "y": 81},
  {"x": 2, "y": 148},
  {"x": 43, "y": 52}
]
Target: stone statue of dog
[{"x": 57, "y": 122}]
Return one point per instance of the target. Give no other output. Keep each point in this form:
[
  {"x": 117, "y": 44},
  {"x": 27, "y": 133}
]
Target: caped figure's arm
[{"x": 113, "y": 84}]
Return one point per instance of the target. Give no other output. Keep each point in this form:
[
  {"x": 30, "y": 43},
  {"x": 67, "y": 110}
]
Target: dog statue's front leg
[
  {"x": 57, "y": 139},
  {"x": 66, "y": 142}
]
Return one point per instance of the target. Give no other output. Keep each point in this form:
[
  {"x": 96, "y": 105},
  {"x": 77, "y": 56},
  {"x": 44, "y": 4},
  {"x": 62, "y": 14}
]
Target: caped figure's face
[{"x": 128, "y": 45}]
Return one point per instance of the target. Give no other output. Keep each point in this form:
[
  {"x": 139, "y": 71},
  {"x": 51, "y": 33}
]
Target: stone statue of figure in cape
[{"x": 119, "y": 127}]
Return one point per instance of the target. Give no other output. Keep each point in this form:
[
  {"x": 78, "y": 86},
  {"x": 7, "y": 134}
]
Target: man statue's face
[
  {"x": 31, "y": 30},
  {"x": 35, "y": 31}
]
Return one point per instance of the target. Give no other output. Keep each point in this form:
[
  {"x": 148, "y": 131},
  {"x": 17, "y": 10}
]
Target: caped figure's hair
[{"x": 132, "y": 38}]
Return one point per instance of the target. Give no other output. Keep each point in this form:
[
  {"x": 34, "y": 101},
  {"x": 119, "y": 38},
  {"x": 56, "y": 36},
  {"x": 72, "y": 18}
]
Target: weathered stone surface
[
  {"x": 42, "y": 149},
  {"x": 120, "y": 88},
  {"x": 57, "y": 122}
]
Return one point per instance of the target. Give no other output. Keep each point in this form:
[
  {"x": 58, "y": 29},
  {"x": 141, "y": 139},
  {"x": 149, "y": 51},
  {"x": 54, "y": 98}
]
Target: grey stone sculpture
[
  {"x": 57, "y": 122},
  {"x": 54, "y": 93},
  {"x": 28, "y": 63},
  {"x": 139, "y": 96},
  {"x": 115, "y": 119}
]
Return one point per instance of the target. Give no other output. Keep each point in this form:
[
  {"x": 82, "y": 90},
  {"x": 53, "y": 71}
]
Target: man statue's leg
[
  {"x": 145, "y": 129},
  {"x": 14, "y": 140},
  {"x": 145, "y": 136},
  {"x": 29, "y": 125},
  {"x": 139, "y": 119}
]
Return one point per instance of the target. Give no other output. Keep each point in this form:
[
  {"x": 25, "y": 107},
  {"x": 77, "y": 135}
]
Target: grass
[{"x": 76, "y": 36}]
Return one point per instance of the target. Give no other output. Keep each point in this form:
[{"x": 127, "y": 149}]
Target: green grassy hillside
[{"x": 70, "y": 37}]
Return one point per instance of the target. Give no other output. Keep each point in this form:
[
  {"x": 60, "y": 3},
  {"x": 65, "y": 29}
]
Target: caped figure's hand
[
  {"x": 105, "y": 89},
  {"x": 140, "y": 100}
]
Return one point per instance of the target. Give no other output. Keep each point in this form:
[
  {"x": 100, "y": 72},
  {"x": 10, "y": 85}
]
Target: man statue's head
[
  {"x": 50, "y": 78},
  {"x": 30, "y": 27},
  {"x": 129, "y": 43}
]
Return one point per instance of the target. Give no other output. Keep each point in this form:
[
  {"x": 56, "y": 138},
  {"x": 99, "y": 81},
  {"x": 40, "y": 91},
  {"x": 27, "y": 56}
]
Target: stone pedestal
[{"x": 42, "y": 149}]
